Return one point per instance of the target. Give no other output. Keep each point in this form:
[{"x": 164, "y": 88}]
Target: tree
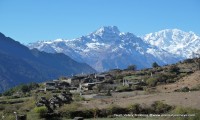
[
  {"x": 155, "y": 65},
  {"x": 8, "y": 92},
  {"x": 25, "y": 88},
  {"x": 132, "y": 67}
]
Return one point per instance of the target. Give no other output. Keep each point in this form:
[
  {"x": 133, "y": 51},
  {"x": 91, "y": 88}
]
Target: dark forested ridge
[{"x": 18, "y": 64}]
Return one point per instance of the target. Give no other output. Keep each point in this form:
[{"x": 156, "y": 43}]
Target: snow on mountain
[
  {"x": 175, "y": 41},
  {"x": 108, "y": 48}
]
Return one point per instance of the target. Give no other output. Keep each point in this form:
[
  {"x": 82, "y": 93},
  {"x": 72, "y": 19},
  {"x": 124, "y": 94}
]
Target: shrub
[
  {"x": 10, "y": 109},
  {"x": 114, "y": 109},
  {"x": 135, "y": 109},
  {"x": 108, "y": 93},
  {"x": 119, "y": 77},
  {"x": 77, "y": 97},
  {"x": 163, "y": 77},
  {"x": 2, "y": 107},
  {"x": 28, "y": 87},
  {"x": 9, "y": 117},
  {"x": 68, "y": 110},
  {"x": 81, "y": 113},
  {"x": 150, "y": 90},
  {"x": 8, "y": 92},
  {"x": 184, "y": 89},
  {"x": 21, "y": 88},
  {"x": 187, "y": 111},
  {"x": 174, "y": 69},
  {"x": 99, "y": 87},
  {"x": 86, "y": 113},
  {"x": 195, "y": 88},
  {"x": 170, "y": 81},
  {"x": 152, "y": 81},
  {"x": 96, "y": 112},
  {"x": 123, "y": 88},
  {"x": 159, "y": 107},
  {"x": 25, "y": 88},
  {"x": 137, "y": 87},
  {"x": 28, "y": 105},
  {"x": 42, "y": 111},
  {"x": 103, "y": 113},
  {"x": 71, "y": 111}
]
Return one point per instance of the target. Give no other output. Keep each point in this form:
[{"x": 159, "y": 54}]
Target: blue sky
[{"x": 32, "y": 20}]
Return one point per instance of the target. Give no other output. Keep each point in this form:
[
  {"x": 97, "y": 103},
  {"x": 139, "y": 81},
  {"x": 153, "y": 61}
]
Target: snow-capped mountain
[
  {"x": 175, "y": 41},
  {"x": 108, "y": 48}
]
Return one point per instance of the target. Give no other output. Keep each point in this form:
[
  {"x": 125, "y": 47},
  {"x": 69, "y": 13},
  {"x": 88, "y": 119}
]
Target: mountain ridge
[
  {"x": 175, "y": 41},
  {"x": 108, "y": 48},
  {"x": 19, "y": 64}
]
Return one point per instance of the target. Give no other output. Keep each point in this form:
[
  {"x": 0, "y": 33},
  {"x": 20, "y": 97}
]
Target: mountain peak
[
  {"x": 107, "y": 29},
  {"x": 108, "y": 48},
  {"x": 172, "y": 31},
  {"x": 170, "y": 35},
  {"x": 175, "y": 41}
]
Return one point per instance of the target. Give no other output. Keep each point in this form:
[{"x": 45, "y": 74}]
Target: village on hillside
[{"x": 115, "y": 90}]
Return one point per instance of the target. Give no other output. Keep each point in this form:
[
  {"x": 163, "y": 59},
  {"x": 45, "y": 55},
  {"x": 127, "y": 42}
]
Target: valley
[
  {"x": 134, "y": 76},
  {"x": 160, "y": 90},
  {"x": 99, "y": 60}
]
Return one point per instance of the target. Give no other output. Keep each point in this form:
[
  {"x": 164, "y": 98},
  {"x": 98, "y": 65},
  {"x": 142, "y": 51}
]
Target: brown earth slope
[
  {"x": 165, "y": 93},
  {"x": 188, "y": 81}
]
